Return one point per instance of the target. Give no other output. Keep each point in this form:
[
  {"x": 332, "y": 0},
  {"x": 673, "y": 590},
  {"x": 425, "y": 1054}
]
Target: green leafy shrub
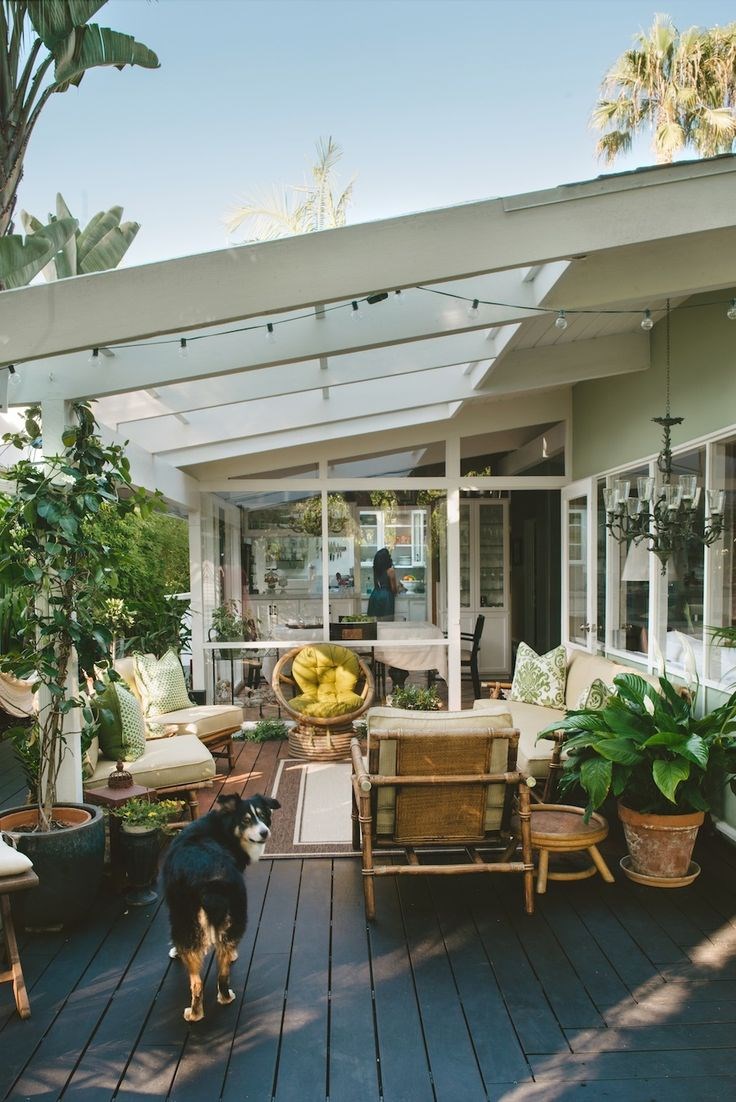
[
  {"x": 267, "y": 729},
  {"x": 416, "y": 698}
]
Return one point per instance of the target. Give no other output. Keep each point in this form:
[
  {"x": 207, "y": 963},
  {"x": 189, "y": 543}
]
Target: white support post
[
  {"x": 196, "y": 601},
  {"x": 454, "y": 691},
  {"x": 56, "y": 416}
]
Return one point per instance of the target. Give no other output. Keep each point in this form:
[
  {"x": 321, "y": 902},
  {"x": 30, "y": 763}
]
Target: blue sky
[{"x": 435, "y": 102}]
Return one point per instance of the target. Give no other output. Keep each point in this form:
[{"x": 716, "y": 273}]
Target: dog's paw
[
  {"x": 191, "y": 1016},
  {"x": 233, "y": 955},
  {"x": 223, "y": 1000},
  {"x": 173, "y": 952}
]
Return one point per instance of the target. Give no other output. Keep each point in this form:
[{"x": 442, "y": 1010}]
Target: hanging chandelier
[{"x": 664, "y": 514}]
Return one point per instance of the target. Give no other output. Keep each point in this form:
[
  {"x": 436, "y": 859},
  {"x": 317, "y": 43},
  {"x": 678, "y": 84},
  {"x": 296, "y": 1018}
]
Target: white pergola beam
[
  {"x": 314, "y": 337},
  {"x": 454, "y": 243},
  {"x": 544, "y": 446}
]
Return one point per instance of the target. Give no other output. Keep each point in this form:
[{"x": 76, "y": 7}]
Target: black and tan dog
[{"x": 205, "y": 888}]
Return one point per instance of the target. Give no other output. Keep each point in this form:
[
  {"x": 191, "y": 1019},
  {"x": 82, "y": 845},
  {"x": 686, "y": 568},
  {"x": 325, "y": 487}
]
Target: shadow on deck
[{"x": 608, "y": 992}]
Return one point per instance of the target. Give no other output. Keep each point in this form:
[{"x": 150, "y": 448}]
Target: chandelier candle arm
[{"x": 664, "y": 515}]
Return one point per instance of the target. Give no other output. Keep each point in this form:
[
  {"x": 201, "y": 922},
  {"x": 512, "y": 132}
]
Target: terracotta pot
[
  {"x": 660, "y": 845},
  {"x": 69, "y": 864}
]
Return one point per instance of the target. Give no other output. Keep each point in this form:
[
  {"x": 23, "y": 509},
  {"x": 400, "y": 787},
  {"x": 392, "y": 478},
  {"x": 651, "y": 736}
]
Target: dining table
[{"x": 424, "y": 653}]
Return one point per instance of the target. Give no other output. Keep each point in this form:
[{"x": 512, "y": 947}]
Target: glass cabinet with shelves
[{"x": 484, "y": 580}]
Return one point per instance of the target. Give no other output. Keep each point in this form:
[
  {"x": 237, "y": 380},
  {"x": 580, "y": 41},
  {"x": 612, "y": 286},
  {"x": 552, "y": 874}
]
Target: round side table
[{"x": 559, "y": 828}]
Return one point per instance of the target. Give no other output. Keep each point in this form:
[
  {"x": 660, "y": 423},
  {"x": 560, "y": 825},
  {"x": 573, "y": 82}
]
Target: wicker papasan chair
[{"x": 326, "y": 678}]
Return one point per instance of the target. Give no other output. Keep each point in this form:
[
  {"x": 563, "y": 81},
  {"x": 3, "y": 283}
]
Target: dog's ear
[
  {"x": 268, "y": 801},
  {"x": 228, "y": 803}
]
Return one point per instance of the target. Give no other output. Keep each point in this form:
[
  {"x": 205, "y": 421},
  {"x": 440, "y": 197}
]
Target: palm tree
[
  {"x": 36, "y": 36},
  {"x": 299, "y": 209},
  {"x": 681, "y": 85}
]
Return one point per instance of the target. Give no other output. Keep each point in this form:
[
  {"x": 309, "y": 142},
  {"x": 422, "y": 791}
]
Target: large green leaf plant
[
  {"x": 46, "y": 47},
  {"x": 48, "y": 552},
  {"x": 649, "y": 749},
  {"x": 99, "y": 247}
]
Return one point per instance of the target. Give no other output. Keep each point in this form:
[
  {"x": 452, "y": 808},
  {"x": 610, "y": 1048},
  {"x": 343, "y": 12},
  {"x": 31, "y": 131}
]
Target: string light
[
  {"x": 561, "y": 319},
  {"x": 270, "y": 333},
  {"x": 183, "y": 350},
  {"x": 14, "y": 379}
]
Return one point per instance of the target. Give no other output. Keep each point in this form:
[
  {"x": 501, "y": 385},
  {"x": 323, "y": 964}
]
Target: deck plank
[
  {"x": 455, "y": 1071},
  {"x": 403, "y": 1064},
  {"x": 253, "y": 1063}
]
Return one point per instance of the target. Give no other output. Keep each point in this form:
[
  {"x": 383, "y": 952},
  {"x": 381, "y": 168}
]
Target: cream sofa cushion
[
  {"x": 533, "y": 757},
  {"x": 125, "y": 667},
  {"x": 165, "y": 763},
  {"x": 408, "y": 721},
  {"x": 203, "y": 719}
]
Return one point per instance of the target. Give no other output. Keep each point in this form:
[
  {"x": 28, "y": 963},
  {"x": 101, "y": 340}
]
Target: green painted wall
[{"x": 611, "y": 417}]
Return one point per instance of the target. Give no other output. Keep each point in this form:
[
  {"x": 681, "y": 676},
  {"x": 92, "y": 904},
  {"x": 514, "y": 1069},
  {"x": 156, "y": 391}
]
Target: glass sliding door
[{"x": 579, "y": 567}]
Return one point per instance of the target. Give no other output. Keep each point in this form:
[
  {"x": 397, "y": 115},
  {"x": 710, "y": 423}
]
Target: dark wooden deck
[{"x": 608, "y": 992}]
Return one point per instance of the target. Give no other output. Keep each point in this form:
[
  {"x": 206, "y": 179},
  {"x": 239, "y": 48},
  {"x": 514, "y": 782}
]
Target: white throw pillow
[
  {"x": 540, "y": 678},
  {"x": 12, "y": 863}
]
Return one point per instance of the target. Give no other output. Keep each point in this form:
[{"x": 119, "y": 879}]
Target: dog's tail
[{"x": 215, "y": 906}]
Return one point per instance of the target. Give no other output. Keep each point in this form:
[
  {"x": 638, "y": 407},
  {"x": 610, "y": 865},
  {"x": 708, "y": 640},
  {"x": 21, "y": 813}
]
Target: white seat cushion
[
  {"x": 166, "y": 762},
  {"x": 533, "y": 757},
  {"x": 203, "y": 720}
]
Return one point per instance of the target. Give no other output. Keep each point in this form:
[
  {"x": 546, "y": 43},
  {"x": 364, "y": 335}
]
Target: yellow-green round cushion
[{"x": 327, "y": 676}]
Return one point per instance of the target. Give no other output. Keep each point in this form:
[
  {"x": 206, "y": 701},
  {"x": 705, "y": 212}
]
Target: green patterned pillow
[
  {"x": 133, "y": 724},
  {"x": 161, "y": 683},
  {"x": 121, "y": 728},
  {"x": 540, "y": 678},
  {"x": 595, "y": 696}
]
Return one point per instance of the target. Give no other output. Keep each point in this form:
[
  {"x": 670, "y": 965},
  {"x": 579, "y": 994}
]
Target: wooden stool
[
  {"x": 14, "y": 973},
  {"x": 559, "y": 828}
]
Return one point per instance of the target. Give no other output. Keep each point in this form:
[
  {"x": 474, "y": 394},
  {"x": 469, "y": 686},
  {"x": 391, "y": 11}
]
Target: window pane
[
  {"x": 723, "y": 615},
  {"x": 631, "y": 612},
  {"x": 685, "y": 577},
  {"x": 577, "y": 578}
]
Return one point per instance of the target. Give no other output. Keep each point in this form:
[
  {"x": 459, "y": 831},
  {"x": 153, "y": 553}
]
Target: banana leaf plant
[
  {"x": 46, "y": 47},
  {"x": 649, "y": 749},
  {"x": 100, "y": 246},
  {"x": 21, "y": 259}
]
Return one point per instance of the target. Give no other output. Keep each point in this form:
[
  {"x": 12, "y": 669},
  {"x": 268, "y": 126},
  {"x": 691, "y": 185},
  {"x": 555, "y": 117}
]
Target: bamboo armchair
[{"x": 452, "y": 791}]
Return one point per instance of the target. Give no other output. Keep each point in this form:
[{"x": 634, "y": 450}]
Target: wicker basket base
[{"x": 311, "y": 743}]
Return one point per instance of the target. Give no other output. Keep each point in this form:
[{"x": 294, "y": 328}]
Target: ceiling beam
[{"x": 454, "y": 243}]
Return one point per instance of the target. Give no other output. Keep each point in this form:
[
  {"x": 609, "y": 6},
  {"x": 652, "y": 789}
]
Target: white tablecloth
[{"x": 428, "y": 657}]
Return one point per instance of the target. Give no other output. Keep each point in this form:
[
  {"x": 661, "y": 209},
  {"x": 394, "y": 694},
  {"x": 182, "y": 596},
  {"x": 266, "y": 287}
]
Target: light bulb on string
[
  {"x": 14, "y": 379},
  {"x": 399, "y": 298},
  {"x": 473, "y": 309},
  {"x": 647, "y": 321},
  {"x": 561, "y": 320},
  {"x": 355, "y": 310},
  {"x": 94, "y": 356},
  {"x": 183, "y": 349},
  {"x": 270, "y": 333},
  {"x": 731, "y": 312}
]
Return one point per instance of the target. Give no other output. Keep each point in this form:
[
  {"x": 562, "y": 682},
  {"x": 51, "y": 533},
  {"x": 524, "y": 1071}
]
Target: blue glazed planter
[{"x": 69, "y": 864}]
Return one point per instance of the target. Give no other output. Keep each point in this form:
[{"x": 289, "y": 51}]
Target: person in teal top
[{"x": 382, "y": 600}]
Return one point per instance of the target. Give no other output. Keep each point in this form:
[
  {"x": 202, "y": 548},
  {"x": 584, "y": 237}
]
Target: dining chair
[{"x": 469, "y": 655}]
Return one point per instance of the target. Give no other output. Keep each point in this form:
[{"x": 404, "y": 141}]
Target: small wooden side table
[
  {"x": 113, "y": 798},
  {"x": 559, "y": 828},
  {"x": 14, "y": 972}
]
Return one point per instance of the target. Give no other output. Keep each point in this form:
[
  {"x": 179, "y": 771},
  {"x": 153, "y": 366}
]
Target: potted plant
[
  {"x": 416, "y": 698},
  {"x": 46, "y": 551},
  {"x": 230, "y": 626},
  {"x": 308, "y": 516},
  {"x": 666, "y": 766},
  {"x": 142, "y": 822}
]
